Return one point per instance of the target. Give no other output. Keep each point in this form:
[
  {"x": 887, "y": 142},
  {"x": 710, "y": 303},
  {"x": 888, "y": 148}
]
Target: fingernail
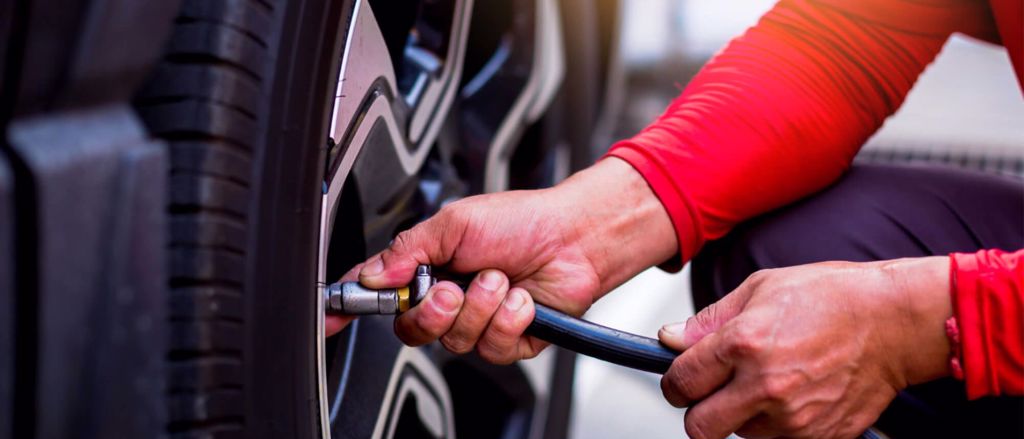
[
  {"x": 674, "y": 328},
  {"x": 515, "y": 301},
  {"x": 372, "y": 268},
  {"x": 446, "y": 300},
  {"x": 490, "y": 280}
]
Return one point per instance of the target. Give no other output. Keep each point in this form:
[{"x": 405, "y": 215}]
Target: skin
[
  {"x": 812, "y": 351},
  {"x": 561, "y": 245},
  {"x": 808, "y": 351}
]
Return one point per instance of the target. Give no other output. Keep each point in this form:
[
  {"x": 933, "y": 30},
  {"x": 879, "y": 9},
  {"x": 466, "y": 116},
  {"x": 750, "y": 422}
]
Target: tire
[
  {"x": 238, "y": 98},
  {"x": 7, "y": 301},
  {"x": 81, "y": 221},
  {"x": 242, "y": 98}
]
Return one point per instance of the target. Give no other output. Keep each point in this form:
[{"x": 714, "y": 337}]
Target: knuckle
[
  {"x": 577, "y": 300},
  {"x": 743, "y": 343},
  {"x": 449, "y": 215},
  {"x": 471, "y": 316},
  {"x": 671, "y": 393},
  {"x": 449, "y": 211},
  {"x": 686, "y": 389},
  {"x": 682, "y": 384},
  {"x": 704, "y": 318},
  {"x": 456, "y": 344},
  {"x": 778, "y": 390},
  {"x": 721, "y": 357},
  {"x": 504, "y": 327},
  {"x": 696, "y": 426},
  {"x": 504, "y": 331},
  {"x": 402, "y": 240},
  {"x": 760, "y": 276},
  {"x": 766, "y": 279}
]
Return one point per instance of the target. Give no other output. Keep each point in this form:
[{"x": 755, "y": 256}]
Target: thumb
[
  {"x": 681, "y": 335},
  {"x": 431, "y": 242}
]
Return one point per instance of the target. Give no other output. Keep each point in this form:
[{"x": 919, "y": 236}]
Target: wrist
[
  {"x": 922, "y": 286},
  {"x": 617, "y": 220}
]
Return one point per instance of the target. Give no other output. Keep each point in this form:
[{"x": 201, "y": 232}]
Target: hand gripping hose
[
  {"x": 569, "y": 332},
  {"x": 577, "y": 335}
]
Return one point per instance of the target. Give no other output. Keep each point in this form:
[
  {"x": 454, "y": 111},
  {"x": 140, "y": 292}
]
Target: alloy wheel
[{"x": 430, "y": 107}]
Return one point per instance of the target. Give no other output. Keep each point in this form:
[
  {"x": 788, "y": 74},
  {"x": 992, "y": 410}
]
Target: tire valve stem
[{"x": 354, "y": 299}]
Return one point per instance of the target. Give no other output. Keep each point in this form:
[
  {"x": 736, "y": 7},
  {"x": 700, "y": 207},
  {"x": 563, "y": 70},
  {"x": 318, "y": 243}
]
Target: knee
[{"x": 826, "y": 226}]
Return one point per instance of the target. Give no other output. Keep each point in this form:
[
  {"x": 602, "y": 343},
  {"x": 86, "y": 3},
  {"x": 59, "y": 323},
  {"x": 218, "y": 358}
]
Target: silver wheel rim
[{"x": 367, "y": 89}]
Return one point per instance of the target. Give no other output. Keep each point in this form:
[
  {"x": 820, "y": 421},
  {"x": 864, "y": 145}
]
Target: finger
[
  {"x": 333, "y": 324},
  {"x": 503, "y": 341},
  {"x": 696, "y": 373},
  {"x": 430, "y": 242},
  {"x": 483, "y": 298},
  {"x": 433, "y": 317},
  {"x": 721, "y": 414},
  {"x": 680, "y": 336}
]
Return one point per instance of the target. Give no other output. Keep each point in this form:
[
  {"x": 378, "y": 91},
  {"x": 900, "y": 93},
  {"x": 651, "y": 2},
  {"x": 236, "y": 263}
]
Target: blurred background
[{"x": 966, "y": 109}]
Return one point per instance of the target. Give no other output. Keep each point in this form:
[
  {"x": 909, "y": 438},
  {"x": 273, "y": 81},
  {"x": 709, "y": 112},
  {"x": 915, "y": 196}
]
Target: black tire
[
  {"x": 7, "y": 302},
  {"x": 239, "y": 97},
  {"x": 81, "y": 224}
]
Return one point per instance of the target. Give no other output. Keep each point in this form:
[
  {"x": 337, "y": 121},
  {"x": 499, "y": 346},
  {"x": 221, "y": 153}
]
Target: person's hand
[
  {"x": 518, "y": 242},
  {"x": 563, "y": 246},
  {"x": 810, "y": 351}
]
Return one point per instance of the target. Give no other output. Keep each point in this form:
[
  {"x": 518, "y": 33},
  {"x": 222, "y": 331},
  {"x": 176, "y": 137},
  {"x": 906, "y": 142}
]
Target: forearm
[
  {"x": 617, "y": 220},
  {"x": 778, "y": 114}
]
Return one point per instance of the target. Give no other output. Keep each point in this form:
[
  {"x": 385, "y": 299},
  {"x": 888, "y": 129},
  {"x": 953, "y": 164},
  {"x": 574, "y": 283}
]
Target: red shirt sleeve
[
  {"x": 988, "y": 305},
  {"x": 782, "y": 110}
]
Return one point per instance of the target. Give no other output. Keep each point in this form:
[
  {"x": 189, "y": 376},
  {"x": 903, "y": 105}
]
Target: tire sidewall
[{"x": 281, "y": 379}]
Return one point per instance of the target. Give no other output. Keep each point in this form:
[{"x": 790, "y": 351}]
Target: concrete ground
[{"x": 967, "y": 101}]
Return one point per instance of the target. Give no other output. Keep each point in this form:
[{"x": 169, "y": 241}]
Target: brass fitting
[{"x": 403, "y": 299}]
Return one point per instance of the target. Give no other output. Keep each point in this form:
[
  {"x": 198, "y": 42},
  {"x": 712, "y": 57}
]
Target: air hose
[{"x": 548, "y": 324}]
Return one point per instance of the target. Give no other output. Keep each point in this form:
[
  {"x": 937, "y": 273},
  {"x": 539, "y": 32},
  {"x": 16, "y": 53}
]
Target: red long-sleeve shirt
[{"x": 782, "y": 110}]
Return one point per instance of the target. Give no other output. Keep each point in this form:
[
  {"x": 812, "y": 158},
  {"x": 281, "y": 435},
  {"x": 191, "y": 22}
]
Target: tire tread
[{"x": 205, "y": 100}]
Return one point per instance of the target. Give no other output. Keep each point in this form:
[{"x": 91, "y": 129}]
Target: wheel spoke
[
  {"x": 384, "y": 125},
  {"x": 397, "y": 83}
]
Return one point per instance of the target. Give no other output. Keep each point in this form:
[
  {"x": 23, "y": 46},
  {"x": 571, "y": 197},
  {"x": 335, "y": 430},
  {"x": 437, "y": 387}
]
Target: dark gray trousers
[{"x": 878, "y": 212}]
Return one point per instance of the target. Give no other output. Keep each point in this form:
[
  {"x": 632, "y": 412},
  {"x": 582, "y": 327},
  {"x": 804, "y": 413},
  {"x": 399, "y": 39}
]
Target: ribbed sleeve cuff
[{"x": 678, "y": 206}]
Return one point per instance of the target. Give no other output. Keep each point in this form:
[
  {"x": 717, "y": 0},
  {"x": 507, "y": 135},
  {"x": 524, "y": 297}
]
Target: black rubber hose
[
  {"x": 600, "y": 342},
  {"x": 608, "y": 344},
  {"x": 594, "y": 340}
]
